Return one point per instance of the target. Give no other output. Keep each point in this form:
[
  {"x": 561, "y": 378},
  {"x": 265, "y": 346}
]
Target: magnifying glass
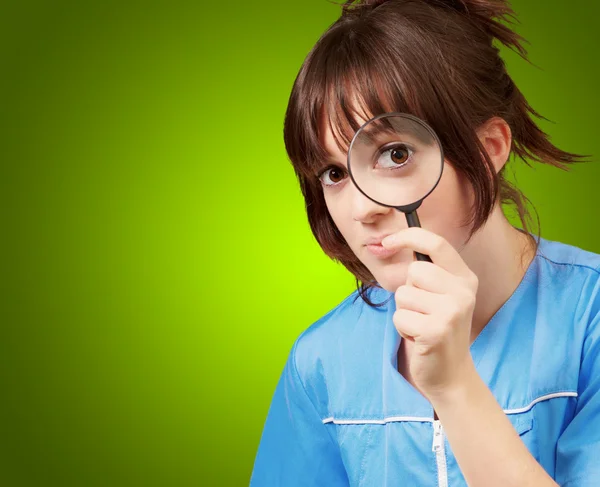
[{"x": 396, "y": 160}]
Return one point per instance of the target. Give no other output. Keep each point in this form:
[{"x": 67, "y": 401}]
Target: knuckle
[
  {"x": 468, "y": 297},
  {"x": 438, "y": 243},
  {"x": 473, "y": 281},
  {"x": 400, "y": 292},
  {"x": 398, "y": 318},
  {"x": 470, "y": 300},
  {"x": 453, "y": 308},
  {"x": 414, "y": 269}
]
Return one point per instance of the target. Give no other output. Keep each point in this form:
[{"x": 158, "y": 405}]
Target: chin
[
  {"x": 390, "y": 285},
  {"x": 391, "y": 276},
  {"x": 390, "y": 273}
]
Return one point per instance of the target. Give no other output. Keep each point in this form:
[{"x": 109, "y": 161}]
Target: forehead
[{"x": 337, "y": 128}]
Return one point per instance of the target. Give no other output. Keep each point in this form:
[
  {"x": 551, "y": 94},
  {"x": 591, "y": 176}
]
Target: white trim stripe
[
  {"x": 542, "y": 398},
  {"x": 392, "y": 419},
  {"x": 389, "y": 419}
]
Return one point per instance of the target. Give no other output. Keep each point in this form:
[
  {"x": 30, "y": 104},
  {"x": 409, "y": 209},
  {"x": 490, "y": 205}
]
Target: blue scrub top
[{"x": 342, "y": 414}]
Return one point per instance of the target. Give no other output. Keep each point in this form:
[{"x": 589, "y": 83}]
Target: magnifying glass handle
[
  {"x": 423, "y": 257},
  {"x": 413, "y": 221}
]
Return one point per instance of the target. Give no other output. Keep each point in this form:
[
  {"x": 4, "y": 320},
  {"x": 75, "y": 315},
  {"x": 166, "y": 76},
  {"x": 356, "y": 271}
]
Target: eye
[
  {"x": 332, "y": 176},
  {"x": 395, "y": 157}
]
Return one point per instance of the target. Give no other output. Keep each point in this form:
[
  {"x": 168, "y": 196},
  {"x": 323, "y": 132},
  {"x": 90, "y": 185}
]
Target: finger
[
  {"x": 438, "y": 248},
  {"x": 432, "y": 278},
  {"x": 411, "y": 324},
  {"x": 415, "y": 299}
]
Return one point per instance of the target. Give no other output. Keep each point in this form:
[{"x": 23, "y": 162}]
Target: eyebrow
[
  {"x": 328, "y": 161},
  {"x": 416, "y": 131}
]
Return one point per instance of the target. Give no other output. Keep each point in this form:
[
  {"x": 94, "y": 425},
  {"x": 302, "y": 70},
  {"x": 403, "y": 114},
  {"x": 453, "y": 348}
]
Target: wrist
[{"x": 463, "y": 387}]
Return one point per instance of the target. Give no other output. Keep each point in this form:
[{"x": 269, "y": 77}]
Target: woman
[{"x": 481, "y": 367}]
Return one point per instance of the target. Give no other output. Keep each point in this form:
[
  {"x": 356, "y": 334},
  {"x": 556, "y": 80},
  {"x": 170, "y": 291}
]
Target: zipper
[{"x": 440, "y": 453}]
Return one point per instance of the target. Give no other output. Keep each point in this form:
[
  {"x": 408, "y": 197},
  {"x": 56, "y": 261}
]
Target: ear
[{"x": 496, "y": 137}]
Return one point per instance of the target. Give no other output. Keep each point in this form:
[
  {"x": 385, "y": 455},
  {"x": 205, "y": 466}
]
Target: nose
[{"x": 364, "y": 209}]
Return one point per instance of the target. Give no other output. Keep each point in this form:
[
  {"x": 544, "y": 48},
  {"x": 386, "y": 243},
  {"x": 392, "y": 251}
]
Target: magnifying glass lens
[{"x": 395, "y": 160}]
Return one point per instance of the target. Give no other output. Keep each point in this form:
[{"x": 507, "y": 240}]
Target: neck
[{"x": 499, "y": 255}]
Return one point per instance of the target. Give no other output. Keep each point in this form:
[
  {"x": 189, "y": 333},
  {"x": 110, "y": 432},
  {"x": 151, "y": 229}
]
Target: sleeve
[
  {"x": 578, "y": 447},
  {"x": 296, "y": 448}
]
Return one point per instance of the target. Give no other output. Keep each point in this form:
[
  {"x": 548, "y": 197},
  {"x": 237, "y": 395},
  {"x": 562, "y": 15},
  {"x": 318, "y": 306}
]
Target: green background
[{"x": 157, "y": 264}]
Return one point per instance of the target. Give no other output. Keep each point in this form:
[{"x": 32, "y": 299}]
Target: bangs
[{"x": 342, "y": 85}]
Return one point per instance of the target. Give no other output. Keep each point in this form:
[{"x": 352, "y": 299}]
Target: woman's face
[{"x": 359, "y": 219}]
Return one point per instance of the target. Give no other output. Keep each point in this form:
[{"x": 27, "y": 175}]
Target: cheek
[
  {"x": 445, "y": 210},
  {"x": 340, "y": 214}
]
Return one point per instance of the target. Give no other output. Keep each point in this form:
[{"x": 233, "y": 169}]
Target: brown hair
[{"x": 434, "y": 59}]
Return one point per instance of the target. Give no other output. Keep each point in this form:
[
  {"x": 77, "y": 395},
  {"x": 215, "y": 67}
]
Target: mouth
[
  {"x": 380, "y": 251},
  {"x": 376, "y": 240}
]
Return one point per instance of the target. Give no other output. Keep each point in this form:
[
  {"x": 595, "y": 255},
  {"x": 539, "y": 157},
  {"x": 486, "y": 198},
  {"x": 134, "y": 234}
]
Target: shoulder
[
  {"x": 568, "y": 271},
  {"x": 573, "y": 275},
  {"x": 344, "y": 324},
  {"x": 350, "y": 331},
  {"x": 560, "y": 257}
]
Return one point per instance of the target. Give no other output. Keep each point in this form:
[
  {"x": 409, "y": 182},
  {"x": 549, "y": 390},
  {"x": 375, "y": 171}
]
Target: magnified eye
[
  {"x": 395, "y": 157},
  {"x": 332, "y": 176}
]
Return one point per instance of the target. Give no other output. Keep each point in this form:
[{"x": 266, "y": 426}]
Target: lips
[
  {"x": 376, "y": 240},
  {"x": 374, "y": 246},
  {"x": 380, "y": 251}
]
